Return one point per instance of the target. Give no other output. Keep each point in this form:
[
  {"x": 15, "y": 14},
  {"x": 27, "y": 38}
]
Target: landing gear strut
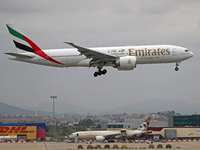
[
  {"x": 99, "y": 72},
  {"x": 177, "y": 64}
]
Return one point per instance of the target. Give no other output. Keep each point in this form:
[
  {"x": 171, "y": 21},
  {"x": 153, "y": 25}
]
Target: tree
[{"x": 86, "y": 122}]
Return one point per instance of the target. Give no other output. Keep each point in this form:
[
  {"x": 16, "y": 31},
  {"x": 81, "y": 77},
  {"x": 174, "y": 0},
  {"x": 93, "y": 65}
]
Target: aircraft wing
[
  {"x": 94, "y": 55},
  {"x": 112, "y": 135}
]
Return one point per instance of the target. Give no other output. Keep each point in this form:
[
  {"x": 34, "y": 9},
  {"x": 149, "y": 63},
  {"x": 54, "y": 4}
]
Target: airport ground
[{"x": 71, "y": 146}]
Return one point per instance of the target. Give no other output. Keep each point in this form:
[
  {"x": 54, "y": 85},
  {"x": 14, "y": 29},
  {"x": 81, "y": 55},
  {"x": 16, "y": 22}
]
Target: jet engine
[
  {"x": 126, "y": 63},
  {"x": 99, "y": 138}
]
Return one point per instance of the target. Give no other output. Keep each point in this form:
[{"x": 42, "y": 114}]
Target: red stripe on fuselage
[{"x": 40, "y": 52}]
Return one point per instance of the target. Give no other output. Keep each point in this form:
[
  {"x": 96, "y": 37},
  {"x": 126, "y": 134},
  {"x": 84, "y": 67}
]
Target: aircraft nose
[
  {"x": 192, "y": 54},
  {"x": 70, "y": 136}
]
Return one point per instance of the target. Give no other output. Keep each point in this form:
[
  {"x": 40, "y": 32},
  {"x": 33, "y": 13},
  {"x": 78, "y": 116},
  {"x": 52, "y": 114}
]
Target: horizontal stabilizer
[{"x": 19, "y": 55}]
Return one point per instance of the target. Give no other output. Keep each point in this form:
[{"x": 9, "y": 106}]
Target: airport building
[
  {"x": 132, "y": 124},
  {"x": 25, "y": 131},
  {"x": 184, "y": 121},
  {"x": 169, "y": 133},
  {"x": 177, "y": 127}
]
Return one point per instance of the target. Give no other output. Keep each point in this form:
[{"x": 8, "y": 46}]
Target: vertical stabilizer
[
  {"x": 19, "y": 39},
  {"x": 145, "y": 124}
]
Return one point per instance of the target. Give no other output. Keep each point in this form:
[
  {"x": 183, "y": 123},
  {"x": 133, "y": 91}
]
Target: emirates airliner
[{"x": 121, "y": 57}]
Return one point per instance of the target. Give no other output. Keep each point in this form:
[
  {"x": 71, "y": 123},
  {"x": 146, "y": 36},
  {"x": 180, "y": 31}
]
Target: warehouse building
[
  {"x": 169, "y": 133},
  {"x": 26, "y": 131},
  {"x": 179, "y": 127}
]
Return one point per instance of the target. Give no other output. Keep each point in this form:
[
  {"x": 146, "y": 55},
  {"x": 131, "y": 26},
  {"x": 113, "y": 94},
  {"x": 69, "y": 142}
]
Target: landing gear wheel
[
  {"x": 100, "y": 73},
  {"x": 96, "y": 74},
  {"x": 177, "y": 64},
  {"x": 176, "y": 68},
  {"x": 104, "y": 71}
]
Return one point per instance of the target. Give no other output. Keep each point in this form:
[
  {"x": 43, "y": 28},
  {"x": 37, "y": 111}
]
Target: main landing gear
[
  {"x": 177, "y": 64},
  {"x": 99, "y": 72}
]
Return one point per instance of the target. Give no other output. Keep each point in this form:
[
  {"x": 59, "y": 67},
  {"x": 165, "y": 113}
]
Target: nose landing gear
[{"x": 177, "y": 64}]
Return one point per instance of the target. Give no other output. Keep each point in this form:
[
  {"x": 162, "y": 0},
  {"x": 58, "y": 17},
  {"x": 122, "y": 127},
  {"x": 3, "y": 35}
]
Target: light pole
[{"x": 54, "y": 97}]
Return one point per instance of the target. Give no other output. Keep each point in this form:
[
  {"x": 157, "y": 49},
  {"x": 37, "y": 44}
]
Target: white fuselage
[
  {"x": 91, "y": 135},
  {"x": 144, "y": 55}
]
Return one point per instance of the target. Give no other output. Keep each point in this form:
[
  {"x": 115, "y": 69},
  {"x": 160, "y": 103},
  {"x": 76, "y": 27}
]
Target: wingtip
[{"x": 68, "y": 42}]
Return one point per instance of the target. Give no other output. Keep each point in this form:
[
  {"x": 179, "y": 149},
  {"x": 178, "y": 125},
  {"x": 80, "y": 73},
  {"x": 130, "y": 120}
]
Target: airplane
[
  {"x": 122, "y": 57},
  {"x": 99, "y": 136}
]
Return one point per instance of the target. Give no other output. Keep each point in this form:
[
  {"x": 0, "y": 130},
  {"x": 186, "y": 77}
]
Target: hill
[
  {"x": 150, "y": 106},
  {"x": 62, "y": 108},
  {"x": 13, "y": 110}
]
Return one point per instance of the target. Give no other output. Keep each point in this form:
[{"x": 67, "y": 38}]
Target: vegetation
[
  {"x": 124, "y": 146},
  {"x": 107, "y": 146},
  {"x": 115, "y": 146},
  {"x": 62, "y": 131},
  {"x": 98, "y": 147},
  {"x": 159, "y": 146},
  {"x": 89, "y": 147},
  {"x": 86, "y": 122},
  {"x": 80, "y": 147},
  {"x": 168, "y": 146},
  {"x": 151, "y": 146}
]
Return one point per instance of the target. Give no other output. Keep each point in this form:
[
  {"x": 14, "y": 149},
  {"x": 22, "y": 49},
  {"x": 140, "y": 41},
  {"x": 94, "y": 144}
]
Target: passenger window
[{"x": 187, "y": 50}]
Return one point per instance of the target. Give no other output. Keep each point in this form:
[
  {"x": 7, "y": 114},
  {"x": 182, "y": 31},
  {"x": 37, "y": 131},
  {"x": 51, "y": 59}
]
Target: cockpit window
[{"x": 187, "y": 50}]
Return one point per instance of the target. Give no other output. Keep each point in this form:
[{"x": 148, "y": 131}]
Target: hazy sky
[{"x": 94, "y": 23}]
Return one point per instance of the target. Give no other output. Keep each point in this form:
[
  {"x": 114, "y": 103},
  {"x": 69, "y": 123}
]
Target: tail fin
[
  {"x": 24, "y": 44},
  {"x": 19, "y": 39},
  {"x": 145, "y": 124}
]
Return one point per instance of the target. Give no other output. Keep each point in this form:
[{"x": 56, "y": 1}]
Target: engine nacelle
[
  {"x": 99, "y": 138},
  {"x": 126, "y": 63}
]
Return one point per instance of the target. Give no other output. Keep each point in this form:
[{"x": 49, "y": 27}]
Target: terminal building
[
  {"x": 132, "y": 124},
  {"x": 168, "y": 133},
  {"x": 25, "y": 131},
  {"x": 177, "y": 127},
  {"x": 184, "y": 121}
]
